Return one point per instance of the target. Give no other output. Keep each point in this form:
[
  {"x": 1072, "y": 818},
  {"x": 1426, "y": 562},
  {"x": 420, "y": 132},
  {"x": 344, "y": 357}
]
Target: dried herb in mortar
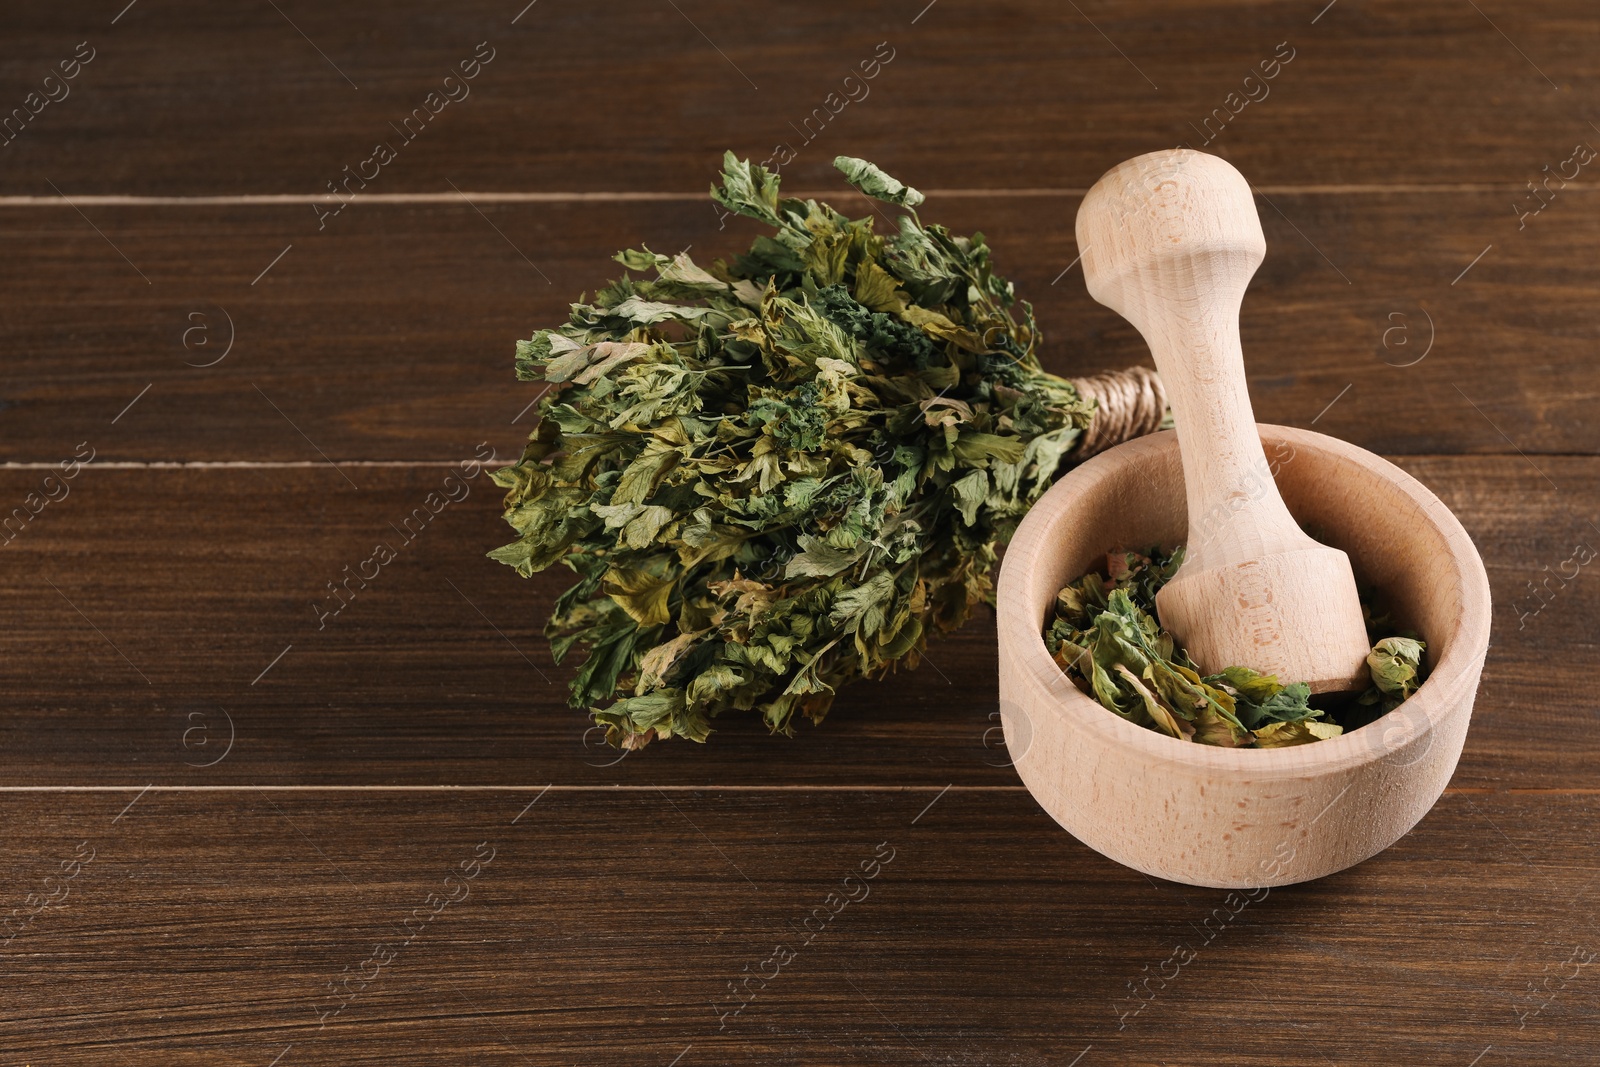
[
  {"x": 1107, "y": 637},
  {"x": 777, "y": 475}
]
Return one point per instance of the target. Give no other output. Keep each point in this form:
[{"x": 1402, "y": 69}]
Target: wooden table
[{"x": 228, "y": 819}]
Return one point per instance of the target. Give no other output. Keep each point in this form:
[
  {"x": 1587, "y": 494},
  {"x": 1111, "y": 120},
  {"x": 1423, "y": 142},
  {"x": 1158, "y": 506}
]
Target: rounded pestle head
[{"x": 1164, "y": 208}]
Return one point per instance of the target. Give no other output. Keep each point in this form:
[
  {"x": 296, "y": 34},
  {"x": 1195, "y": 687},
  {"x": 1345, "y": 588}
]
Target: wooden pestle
[{"x": 1169, "y": 241}]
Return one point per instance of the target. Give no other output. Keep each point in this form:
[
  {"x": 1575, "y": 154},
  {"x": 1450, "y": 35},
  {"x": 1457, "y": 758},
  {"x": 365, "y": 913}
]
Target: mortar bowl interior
[{"x": 1242, "y": 818}]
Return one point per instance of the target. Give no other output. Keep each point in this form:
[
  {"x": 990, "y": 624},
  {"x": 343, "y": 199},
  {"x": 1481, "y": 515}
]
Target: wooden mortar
[{"x": 1240, "y": 818}]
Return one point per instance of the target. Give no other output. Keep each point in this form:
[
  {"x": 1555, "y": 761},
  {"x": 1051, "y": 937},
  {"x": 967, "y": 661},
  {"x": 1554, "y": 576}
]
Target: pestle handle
[{"x": 1170, "y": 240}]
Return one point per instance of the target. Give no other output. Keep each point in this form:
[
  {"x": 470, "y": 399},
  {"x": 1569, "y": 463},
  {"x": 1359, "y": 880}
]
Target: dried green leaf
[
  {"x": 877, "y": 289},
  {"x": 655, "y": 666},
  {"x": 1282, "y": 734},
  {"x": 1395, "y": 663},
  {"x": 1105, "y": 628},
  {"x": 875, "y": 183},
  {"x": 641, "y": 594},
  {"x": 749, "y": 190},
  {"x": 970, "y": 493},
  {"x": 863, "y": 608},
  {"x": 1159, "y": 713},
  {"x": 820, "y": 559}
]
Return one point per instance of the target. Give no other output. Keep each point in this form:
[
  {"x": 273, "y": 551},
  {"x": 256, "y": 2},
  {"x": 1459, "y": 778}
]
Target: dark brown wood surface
[
  {"x": 388, "y": 336},
  {"x": 228, "y": 818},
  {"x": 141, "y": 622}
]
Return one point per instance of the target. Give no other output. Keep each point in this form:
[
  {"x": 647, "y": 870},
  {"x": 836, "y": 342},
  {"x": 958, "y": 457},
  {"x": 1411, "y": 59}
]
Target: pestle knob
[{"x": 1169, "y": 241}]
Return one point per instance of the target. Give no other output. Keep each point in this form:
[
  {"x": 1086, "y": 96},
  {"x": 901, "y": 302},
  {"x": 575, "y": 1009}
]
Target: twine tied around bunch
[{"x": 1129, "y": 403}]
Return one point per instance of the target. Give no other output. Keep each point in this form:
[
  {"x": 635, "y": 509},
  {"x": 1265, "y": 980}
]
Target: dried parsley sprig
[
  {"x": 780, "y": 474},
  {"x": 1107, "y": 637}
]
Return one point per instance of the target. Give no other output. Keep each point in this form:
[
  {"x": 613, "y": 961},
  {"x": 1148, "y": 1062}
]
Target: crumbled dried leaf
[{"x": 1107, "y": 638}]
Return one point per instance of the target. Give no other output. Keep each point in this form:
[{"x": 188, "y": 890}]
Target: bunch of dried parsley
[
  {"x": 1107, "y": 637},
  {"x": 778, "y": 475}
]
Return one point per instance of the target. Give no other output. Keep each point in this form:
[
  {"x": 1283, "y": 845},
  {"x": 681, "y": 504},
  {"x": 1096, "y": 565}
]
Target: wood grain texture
[
  {"x": 390, "y": 335},
  {"x": 609, "y": 925},
  {"x": 202, "y": 577},
  {"x": 184, "y": 100},
  {"x": 150, "y": 614}
]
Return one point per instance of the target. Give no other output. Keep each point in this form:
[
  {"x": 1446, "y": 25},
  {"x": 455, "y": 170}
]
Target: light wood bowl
[{"x": 1242, "y": 818}]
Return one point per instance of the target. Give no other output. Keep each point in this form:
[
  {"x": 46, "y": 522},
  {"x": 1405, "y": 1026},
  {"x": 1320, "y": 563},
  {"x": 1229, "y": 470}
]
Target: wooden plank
[
  {"x": 163, "y": 624},
  {"x": 437, "y": 662},
  {"x": 186, "y": 99},
  {"x": 390, "y": 337},
  {"x": 608, "y": 926},
  {"x": 149, "y": 613}
]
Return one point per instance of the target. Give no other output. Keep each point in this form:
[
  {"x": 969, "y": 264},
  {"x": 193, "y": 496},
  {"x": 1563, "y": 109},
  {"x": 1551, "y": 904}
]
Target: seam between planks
[
  {"x": 232, "y": 464},
  {"x": 622, "y": 196},
  {"x": 675, "y": 788},
  {"x": 402, "y": 464}
]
